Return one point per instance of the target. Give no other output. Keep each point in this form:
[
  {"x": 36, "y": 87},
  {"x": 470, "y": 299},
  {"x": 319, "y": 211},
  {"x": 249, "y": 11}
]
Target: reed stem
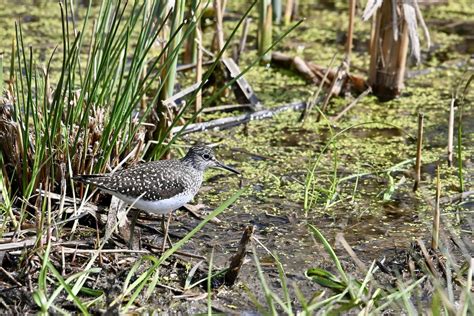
[
  {"x": 436, "y": 217},
  {"x": 288, "y": 12},
  {"x": 350, "y": 32},
  {"x": 451, "y": 132},
  {"x": 419, "y": 146}
]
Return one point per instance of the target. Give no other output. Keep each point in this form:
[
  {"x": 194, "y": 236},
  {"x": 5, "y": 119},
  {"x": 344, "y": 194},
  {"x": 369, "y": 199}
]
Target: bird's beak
[{"x": 221, "y": 165}]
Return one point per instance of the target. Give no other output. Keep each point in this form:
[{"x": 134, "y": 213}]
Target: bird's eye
[{"x": 206, "y": 156}]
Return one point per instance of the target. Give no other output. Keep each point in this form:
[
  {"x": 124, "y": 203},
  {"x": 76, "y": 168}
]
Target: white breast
[{"x": 159, "y": 207}]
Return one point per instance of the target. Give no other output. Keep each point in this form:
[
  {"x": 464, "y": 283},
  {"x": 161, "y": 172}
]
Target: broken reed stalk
[
  {"x": 451, "y": 132},
  {"x": 265, "y": 30},
  {"x": 144, "y": 99},
  {"x": 190, "y": 49},
  {"x": 288, "y": 12},
  {"x": 238, "y": 259},
  {"x": 334, "y": 89},
  {"x": 418, "y": 152},
  {"x": 199, "y": 57},
  {"x": 315, "y": 97},
  {"x": 387, "y": 54},
  {"x": 219, "y": 7},
  {"x": 350, "y": 32},
  {"x": 243, "y": 39},
  {"x": 436, "y": 217}
]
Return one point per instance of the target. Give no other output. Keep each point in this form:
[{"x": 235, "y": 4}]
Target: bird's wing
[{"x": 153, "y": 181}]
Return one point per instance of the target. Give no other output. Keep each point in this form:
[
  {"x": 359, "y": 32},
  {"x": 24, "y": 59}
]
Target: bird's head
[{"x": 202, "y": 157}]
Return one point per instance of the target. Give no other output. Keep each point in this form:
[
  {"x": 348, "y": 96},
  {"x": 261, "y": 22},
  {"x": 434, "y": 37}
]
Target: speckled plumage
[{"x": 159, "y": 186}]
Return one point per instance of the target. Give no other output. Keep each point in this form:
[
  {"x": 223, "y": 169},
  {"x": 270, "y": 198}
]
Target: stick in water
[{"x": 418, "y": 151}]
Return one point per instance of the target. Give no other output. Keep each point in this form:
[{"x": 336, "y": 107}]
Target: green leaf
[
  {"x": 326, "y": 279},
  {"x": 330, "y": 251}
]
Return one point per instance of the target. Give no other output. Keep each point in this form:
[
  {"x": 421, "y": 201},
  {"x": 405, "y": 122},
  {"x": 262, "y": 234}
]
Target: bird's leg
[
  {"x": 165, "y": 230},
  {"x": 132, "y": 228}
]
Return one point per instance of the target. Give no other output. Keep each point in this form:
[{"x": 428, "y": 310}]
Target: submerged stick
[
  {"x": 436, "y": 217},
  {"x": 418, "y": 152},
  {"x": 238, "y": 259},
  {"x": 451, "y": 132}
]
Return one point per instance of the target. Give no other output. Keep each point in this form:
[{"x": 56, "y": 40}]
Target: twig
[
  {"x": 352, "y": 104},
  {"x": 335, "y": 87},
  {"x": 456, "y": 197},
  {"x": 8, "y": 274},
  {"x": 427, "y": 258},
  {"x": 226, "y": 107},
  {"x": 187, "y": 67},
  {"x": 238, "y": 259},
  {"x": 340, "y": 239},
  {"x": 192, "y": 209}
]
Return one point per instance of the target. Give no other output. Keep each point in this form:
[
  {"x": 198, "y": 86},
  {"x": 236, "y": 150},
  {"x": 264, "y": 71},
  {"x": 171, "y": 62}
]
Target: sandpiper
[{"x": 159, "y": 186}]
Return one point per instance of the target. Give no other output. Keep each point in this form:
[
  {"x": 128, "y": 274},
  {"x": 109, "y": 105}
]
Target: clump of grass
[{"x": 368, "y": 295}]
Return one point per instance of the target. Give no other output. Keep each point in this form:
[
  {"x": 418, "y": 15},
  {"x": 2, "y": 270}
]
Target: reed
[
  {"x": 436, "y": 216},
  {"x": 394, "y": 27},
  {"x": 288, "y": 12},
  {"x": 265, "y": 29},
  {"x": 451, "y": 131},
  {"x": 277, "y": 6},
  {"x": 419, "y": 147}
]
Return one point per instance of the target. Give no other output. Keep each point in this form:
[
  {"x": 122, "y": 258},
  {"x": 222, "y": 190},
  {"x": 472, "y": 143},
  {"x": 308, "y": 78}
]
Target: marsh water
[{"x": 375, "y": 208}]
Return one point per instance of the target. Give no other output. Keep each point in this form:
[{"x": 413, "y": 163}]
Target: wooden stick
[
  {"x": 418, "y": 151},
  {"x": 219, "y": 7},
  {"x": 451, "y": 132},
  {"x": 238, "y": 259},
  {"x": 228, "y": 122},
  {"x": 350, "y": 31},
  {"x": 187, "y": 67},
  {"x": 335, "y": 88},
  {"x": 227, "y": 107},
  {"x": 436, "y": 217}
]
